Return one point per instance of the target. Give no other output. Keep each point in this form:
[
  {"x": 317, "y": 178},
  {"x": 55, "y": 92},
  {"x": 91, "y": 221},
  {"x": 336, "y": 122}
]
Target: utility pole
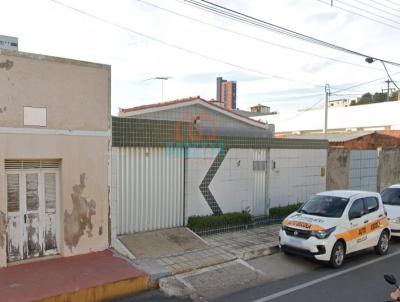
[
  {"x": 327, "y": 94},
  {"x": 388, "y": 89}
]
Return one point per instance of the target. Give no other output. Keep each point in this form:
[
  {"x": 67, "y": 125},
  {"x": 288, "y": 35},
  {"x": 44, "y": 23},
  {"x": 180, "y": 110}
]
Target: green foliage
[
  {"x": 282, "y": 212},
  {"x": 213, "y": 221},
  {"x": 378, "y": 97}
]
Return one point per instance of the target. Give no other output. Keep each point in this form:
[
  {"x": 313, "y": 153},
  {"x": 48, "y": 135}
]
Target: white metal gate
[
  {"x": 260, "y": 163},
  {"x": 32, "y": 207},
  {"x": 363, "y": 170},
  {"x": 148, "y": 186}
]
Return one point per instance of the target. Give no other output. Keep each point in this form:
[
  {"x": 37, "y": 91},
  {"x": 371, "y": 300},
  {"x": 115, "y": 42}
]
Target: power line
[
  {"x": 388, "y": 74},
  {"x": 385, "y": 6},
  {"x": 367, "y": 11},
  {"x": 221, "y": 10},
  {"x": 254, "y": 38},
  {"x": 193, "y": 52},
  {"x": 361, "y": 84},
  {"x": 361, "y": 15},
  {"x": 395, "y": 3},
  {"x": 301, "y": 112}
]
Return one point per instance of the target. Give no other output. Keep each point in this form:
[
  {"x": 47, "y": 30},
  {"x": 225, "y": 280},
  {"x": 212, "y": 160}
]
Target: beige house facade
[{"x": 54, "y": 156}]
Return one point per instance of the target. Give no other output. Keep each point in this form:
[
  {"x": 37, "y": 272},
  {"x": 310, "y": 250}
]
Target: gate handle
[{"x": 25, "y": 218}]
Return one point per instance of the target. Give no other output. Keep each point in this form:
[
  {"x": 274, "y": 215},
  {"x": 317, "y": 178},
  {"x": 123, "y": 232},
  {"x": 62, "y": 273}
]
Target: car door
[
  {"x": 374, "y": 215},
  {"x": 357, "y": 237}
]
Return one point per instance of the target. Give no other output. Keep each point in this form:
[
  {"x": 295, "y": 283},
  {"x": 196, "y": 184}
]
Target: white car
[
  {"x": 336, "y": 223},
  {"x": 391, "y": 200}
]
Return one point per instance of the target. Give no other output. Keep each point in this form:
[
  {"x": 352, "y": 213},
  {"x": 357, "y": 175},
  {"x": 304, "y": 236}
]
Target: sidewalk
[
  {"x": 218, "y": 249},
  {"x": 92, "y": 277}
]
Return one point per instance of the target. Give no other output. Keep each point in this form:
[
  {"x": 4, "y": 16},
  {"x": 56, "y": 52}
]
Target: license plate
[{"x": 295, "y": 242}]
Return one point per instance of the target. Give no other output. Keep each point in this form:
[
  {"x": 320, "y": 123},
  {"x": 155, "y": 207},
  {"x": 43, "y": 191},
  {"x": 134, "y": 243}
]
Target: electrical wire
[
  {"x": 361, "y": 15},
  {"x": 301, "y": 112},
  {"x": 367, "y": 11},
  {"x": 393, "y": 2},
  {"x": 388, "y": 74},
  {"x": 255, "y": 38},
  {"x": 221, "y": 10},
  {"x": 383, "y": 5},
  {"x": 361, "y": 84},
  {"x": 193, "y": 52}
]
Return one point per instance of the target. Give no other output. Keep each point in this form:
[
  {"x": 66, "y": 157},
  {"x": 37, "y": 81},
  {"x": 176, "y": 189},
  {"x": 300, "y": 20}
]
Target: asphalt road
[{"x": 360, "y": 279}]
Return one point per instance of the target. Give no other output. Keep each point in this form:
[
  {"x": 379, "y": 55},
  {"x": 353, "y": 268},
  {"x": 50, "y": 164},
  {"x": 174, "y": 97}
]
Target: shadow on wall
[
  {"x": 3, "y": 228},
  {"x": 80, "y": 219}
]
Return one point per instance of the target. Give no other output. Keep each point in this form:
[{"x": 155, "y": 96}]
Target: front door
[{"x": 32, "y": 199}]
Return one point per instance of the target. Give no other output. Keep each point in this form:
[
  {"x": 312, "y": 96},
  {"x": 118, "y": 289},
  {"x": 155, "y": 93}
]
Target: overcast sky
[{"x": 45, "y": 27}]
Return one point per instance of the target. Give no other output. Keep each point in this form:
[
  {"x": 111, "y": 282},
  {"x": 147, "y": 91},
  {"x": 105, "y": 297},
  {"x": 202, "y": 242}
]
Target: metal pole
[
  {"x": 162, "y": 90},
  {"x": 388, "y": 90},
  {"x": 327, "y": 92}
]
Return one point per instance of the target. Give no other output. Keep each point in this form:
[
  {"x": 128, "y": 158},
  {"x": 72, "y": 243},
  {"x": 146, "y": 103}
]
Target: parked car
[
  {"x": 336, "y": 223},
  {"x": 391, "y": 200}
]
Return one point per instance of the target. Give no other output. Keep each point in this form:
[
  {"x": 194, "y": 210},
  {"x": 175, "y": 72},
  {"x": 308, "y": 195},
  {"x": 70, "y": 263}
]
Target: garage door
[{"x": 147, "y": 188}]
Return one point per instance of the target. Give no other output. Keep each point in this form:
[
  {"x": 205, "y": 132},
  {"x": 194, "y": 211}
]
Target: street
[{"x": 360, "y": 279}]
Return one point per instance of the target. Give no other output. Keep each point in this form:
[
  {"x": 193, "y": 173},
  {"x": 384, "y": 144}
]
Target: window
[
  {"x": 391, "y": 196},
  {"x": 35, "y": 116},
  {"x": 357, "y": 210},
  {"x": 325, "y": 206},
  {"x": 372, "y": 204}
]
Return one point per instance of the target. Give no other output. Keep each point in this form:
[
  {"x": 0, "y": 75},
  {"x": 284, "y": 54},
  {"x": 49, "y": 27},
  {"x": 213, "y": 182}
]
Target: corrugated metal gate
[
  {"x": 363, "y": 170},
  {"x": 149, "y": 188}
]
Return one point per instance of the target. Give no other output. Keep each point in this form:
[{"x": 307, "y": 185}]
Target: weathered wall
[
  {"x": 76, "y": 94},
  {"x": 295, "y": 174},
  {"x": 77, "y": 97},
  {"x": 83, "y": 173},
  {"x": 337, "y": 177},
  {"x": 389, "y": 168}
]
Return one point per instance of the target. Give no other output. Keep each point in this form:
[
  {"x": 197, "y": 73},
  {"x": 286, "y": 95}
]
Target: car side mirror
[{"x": 390, "y": 279}]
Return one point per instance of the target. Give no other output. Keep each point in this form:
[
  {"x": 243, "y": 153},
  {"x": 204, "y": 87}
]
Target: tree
[
  {"x": 366, "y": 98},
  {"x": 379, "y": 97}
]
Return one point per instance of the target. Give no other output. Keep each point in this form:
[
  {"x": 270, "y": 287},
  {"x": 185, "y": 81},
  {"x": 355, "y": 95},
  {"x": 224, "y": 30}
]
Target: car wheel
[
  {"x": 337, "y": 255},
  {"x": 383, "y": 243}
]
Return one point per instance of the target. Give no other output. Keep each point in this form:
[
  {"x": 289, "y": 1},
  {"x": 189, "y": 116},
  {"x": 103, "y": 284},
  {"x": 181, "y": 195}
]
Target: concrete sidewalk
[
  {"x": 218, "y": 249},
  {"x": 96, "y": 276}
]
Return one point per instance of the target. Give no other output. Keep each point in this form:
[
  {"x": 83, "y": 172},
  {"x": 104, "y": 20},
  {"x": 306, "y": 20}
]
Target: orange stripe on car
[
  {"x": 364, "y": 230},
  {"x": 302, "y": 225}
]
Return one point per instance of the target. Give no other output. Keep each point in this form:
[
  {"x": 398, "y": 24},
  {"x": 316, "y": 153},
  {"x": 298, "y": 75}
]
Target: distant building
[
  {"x": 226, "y": 93},
  {"x": 340, "y": 103},
  {"x": 261, "y": 109},
  {"x": 371, "y": 117},
  {"x": 9, "y": 43}
]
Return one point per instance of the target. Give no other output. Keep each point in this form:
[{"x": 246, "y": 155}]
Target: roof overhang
[{"x": 131, "y": 112}]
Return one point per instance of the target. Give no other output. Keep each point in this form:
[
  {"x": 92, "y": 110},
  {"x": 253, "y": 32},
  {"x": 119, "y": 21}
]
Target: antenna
[{"x": 162, "y": 79}]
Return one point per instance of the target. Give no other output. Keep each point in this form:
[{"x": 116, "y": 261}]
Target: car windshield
[
  {"x": 391, "y": 196},
  {"x": 326, "y": 206}
]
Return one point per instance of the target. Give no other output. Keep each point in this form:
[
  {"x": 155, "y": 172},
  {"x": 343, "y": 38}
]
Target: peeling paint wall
[
  {"x": 337, "y": 177},
  {"x": 77, "y": 97},
  {"x": 389, "y": 168}
]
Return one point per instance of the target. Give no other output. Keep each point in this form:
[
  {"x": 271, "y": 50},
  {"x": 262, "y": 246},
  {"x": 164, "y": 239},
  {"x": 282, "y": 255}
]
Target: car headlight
[
  {"x": 323, "y": 234},
  {"x": 395, "y": 220}
]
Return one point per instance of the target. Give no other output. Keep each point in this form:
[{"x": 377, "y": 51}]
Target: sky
[{"x": 207, "y": 46}]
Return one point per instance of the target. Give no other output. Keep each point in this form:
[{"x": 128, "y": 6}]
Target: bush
[
  {"x": 214, "y": 221},
  {"x": 282, "y": 212}
]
